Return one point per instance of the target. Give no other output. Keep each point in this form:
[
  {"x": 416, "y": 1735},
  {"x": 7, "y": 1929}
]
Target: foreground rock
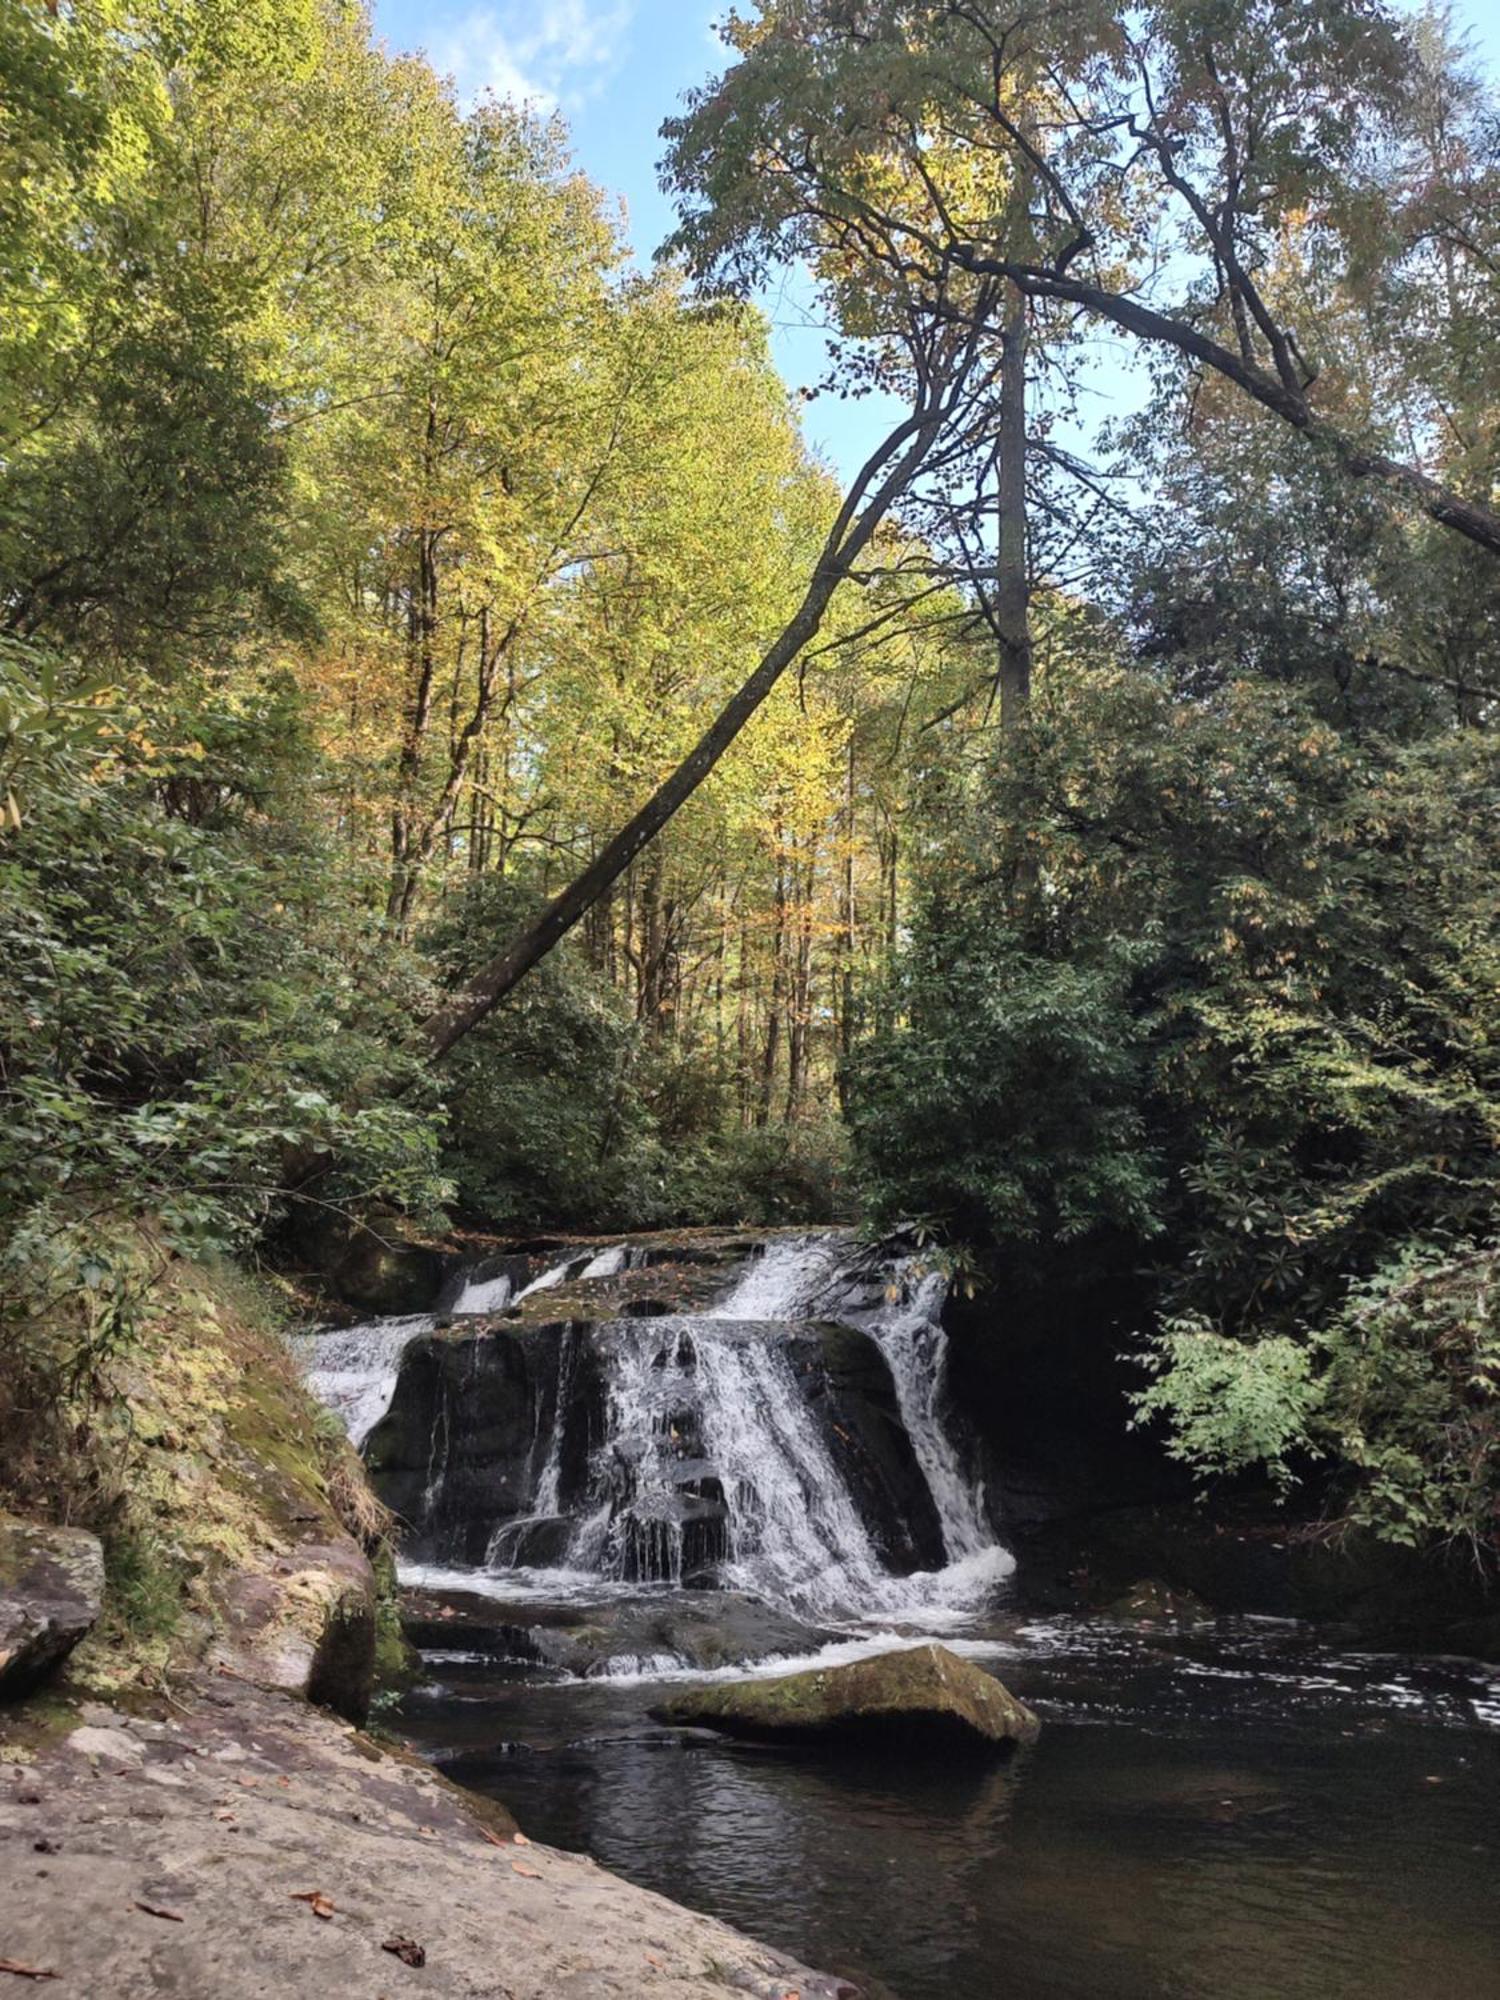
[
  {"x": 51, "y": 1589},
  {"x": 247, "y": 1847},
  {"x": 922, "y": 1693},
  {"x": 304, "y": 1624}
]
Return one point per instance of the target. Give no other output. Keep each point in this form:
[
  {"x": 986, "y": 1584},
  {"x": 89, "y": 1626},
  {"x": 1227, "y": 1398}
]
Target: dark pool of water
[{"x": 1236, "y": 1814}]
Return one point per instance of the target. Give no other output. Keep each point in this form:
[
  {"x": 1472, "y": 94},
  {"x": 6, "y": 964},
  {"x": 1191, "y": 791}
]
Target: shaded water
[{"x": 1236, "y": 1815}]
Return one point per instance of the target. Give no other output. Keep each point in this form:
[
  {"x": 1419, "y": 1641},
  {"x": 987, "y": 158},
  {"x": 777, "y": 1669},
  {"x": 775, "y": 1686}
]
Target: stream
[{"x": 768, "y": 1475}]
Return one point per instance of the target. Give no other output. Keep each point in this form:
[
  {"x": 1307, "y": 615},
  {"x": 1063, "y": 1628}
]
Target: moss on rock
[
  {"x": 232, "y": 1511},
  {"x": 920, "y": 1692}
]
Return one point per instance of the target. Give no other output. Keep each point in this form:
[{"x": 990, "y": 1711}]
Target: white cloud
[{"x": 541, "y": 52}]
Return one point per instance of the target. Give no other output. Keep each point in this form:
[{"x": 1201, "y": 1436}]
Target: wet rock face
[
  {"x": 51, "y": 1591},
  {"x": 463, "y": 1449},
  {"x": 848, "y": 1383},
  {"x": 499, "y": 1444},
  {"x": 381, "y": 1274},
  {"x": 922, "y": 1695}
]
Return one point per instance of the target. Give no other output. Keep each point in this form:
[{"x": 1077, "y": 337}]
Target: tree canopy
[{"x": 463, "y": 753}]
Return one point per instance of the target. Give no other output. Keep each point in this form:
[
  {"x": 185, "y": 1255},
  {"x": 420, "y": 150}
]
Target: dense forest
[{"x": 464, "y": 756}]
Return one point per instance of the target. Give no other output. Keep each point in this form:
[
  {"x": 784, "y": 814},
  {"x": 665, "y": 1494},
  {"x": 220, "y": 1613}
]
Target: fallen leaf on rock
[
  {"x": 316, "y": 1901},
  {"x": 247, "y": 1782},
  {"x": 521, "y": 1869},
  {"x": 226, "y": 1816},
  {"x": 521, "y": 1840},
  {"x": 494, "y": 1839},
  {"x": 152, "y": 1910},
  {"x": 27, "y": 1971},
  {"x": 406, "y": 1949}
]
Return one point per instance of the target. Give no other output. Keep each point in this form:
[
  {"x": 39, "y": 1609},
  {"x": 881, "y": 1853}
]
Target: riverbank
[
  {"x": 239, "y": 1844},
  {"x": 176, "y": 1814}
]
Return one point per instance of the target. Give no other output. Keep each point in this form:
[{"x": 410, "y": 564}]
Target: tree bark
[
  {"x": 847, "y": 937},
  {"x": 858, "y": 518},
  {"x": 1012, "y": 581},
  {"x": 772, "y": 1046}
]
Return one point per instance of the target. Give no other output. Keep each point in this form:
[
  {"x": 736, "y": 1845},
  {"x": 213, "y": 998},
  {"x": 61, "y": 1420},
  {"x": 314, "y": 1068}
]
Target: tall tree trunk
[
  {"x": 1012, "y": 583},
  {"x": 857, "y": 520},
  {"x": 800, "y": 1023},
  {"x": 847, "y": 940},
  {"x": 743, "y": 1027},
  {"x": 421, "y": 642},
  {"x": 771, "y": 1048}
]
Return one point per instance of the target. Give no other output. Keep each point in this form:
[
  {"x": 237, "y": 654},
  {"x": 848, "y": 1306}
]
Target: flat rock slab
[
  {"x": 705, "y": 1630},
  {"x": 920, "y": 1693},
  {"x": 253, "y": 1848},
  {"x": 51, "y": 1589}
]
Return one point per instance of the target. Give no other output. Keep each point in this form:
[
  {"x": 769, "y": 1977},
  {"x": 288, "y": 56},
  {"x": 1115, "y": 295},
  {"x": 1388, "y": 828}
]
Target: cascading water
[
  {"x": 354, "y": 1370},
  {"x": 908, "y": 1329},
  {"x": 808, "y": 1277},
  {"x": 743, "y": 1446},
  {"x": 484, "y": 1295}
]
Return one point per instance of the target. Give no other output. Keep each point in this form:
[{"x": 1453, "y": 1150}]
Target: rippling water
[{"x": 1240, "y": 1813}]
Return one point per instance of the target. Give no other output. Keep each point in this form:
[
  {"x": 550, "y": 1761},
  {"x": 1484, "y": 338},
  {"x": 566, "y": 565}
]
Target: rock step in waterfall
[{"x": 786, "y": 1441}]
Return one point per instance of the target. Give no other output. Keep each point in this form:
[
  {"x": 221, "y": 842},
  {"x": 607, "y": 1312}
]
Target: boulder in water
[
  {"x": 920, "y": 1694},
  {"x": 51, "y": 1588},
  {"x": 1153, "y": 1602}
]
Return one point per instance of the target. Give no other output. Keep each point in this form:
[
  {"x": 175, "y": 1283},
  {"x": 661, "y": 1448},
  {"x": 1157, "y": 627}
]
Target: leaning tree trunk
[{"x": 857, "y": 521}]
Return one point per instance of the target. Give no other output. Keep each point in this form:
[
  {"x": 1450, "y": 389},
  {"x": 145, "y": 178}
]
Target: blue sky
[{"x": 615, "y": 69}]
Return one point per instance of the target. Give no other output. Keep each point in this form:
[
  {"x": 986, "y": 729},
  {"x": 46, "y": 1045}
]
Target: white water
[
  {"x": 489, "y": 1295},
  {"x": 606, "y": 1264},
  {"x": 784, "y": 1280},
  {"x": 908, "y": 1330},
  {"x": 800, "y": 1277},
  {"x": 353, "y": 1371}
]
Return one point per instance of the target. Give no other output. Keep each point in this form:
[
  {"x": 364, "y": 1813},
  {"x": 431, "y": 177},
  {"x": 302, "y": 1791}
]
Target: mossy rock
[
  {"x": 386, "y": 1275},
  {"x": 51, "y": 1591},
  {"x": 921, "y": 1694},
  {"x": 1157, "y": 1602}
]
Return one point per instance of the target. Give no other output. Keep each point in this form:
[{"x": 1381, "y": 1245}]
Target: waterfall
[
  {"x": 741, "y": 1446},
  {"x": 795, "y": 1532},
  {"x": 602, "y": 1264},
  {"x": 354, "y": 1370},
  {"x": 813, "y": 1277},
  {"x": 782, "y": 1281},
  {"x": 908, "y": 1330},
  {"x": 492, "y": 1295}
]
